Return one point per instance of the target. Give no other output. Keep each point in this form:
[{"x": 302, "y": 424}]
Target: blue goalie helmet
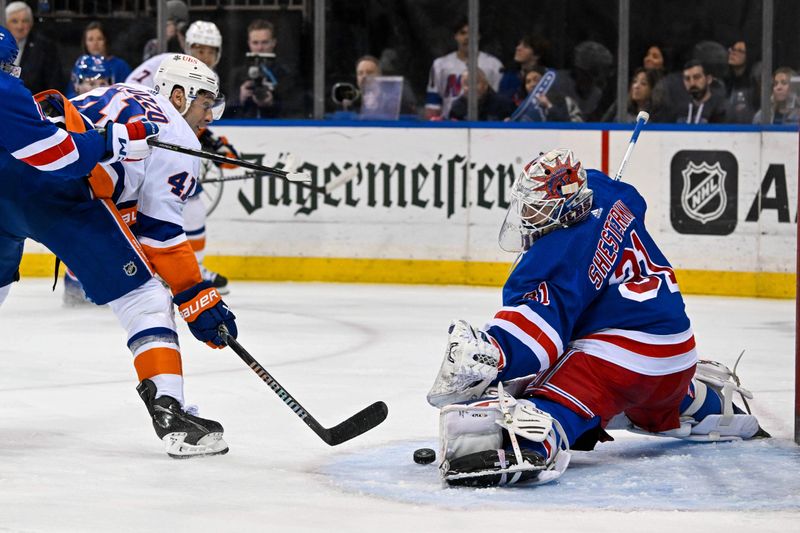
[
  {"x": 8, "y": 53},
  {"x": 90, "y": 72}
]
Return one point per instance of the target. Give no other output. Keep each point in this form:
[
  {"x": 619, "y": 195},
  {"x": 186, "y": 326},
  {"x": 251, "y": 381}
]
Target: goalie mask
[
  {"x": 8, "y": 53},
  {"x": 550, "y": 193},
  {"x": 191, "y": 75}
]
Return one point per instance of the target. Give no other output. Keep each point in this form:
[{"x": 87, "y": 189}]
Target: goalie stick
[
  {"x": 641, "y": 120},
  {"x": 269, "y": 171},
  {"x": 354, "y": 426}
]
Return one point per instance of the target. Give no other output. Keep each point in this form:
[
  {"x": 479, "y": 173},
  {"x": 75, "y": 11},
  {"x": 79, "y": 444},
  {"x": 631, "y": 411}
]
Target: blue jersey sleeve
[{"x": 29, "y": 137}]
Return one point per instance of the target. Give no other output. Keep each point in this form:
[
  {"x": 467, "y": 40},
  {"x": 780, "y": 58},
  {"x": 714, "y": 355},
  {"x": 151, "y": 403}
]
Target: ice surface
[{"x": 77, "y": 452}]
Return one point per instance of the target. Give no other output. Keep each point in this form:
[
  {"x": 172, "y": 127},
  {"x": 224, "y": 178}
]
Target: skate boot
[
  {"x": 492, "y": 468},
  {"x": 217, "y": 280},
  {"x": 184, "y": 434}
]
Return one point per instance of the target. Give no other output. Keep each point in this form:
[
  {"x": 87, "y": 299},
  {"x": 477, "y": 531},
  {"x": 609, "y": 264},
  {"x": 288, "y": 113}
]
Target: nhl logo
[
  {"x": 704, "y": 192},
  {"x": 130, "y": 268},
  {"x": 703, "y": 196}
]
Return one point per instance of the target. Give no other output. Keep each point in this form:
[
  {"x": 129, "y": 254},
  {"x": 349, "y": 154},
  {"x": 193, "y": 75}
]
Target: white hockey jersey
[
  {"x": 444, "y": 80},
  {"x": 150, "y": 194},
  {"x": 144, "y": 73}
]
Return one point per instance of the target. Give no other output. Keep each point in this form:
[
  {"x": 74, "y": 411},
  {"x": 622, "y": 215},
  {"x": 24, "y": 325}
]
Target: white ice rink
[{"x": 78, "y": 453}]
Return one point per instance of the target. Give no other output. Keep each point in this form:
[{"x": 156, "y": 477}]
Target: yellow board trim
[{"x": 418, "y": 271}]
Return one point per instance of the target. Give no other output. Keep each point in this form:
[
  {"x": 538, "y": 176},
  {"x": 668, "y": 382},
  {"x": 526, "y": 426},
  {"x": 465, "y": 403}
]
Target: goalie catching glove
[
  {"x": 204, "y": 311},
  {"x": 128, "y": 142},
  {"x": 470, "y": 364}
]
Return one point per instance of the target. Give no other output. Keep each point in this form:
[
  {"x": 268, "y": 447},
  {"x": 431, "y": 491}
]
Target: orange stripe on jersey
[
  {"x": 177, "y": 265},
  {"x": 157, "y": 361},
  {"x": 101, "y": 182},
  {"x": 124, "y": 228},
  {"x": 198, "y": 245},
  {"x": 205, "y": 299},
  {"x": 129, "y": 216}
]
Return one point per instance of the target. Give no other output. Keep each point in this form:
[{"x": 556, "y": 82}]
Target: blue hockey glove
[
  {"x": 204, "y": 311},
  {"x": 128, "y": 142}
]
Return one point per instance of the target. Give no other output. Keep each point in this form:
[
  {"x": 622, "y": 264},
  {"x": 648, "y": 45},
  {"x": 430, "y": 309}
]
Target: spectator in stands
[
  {"x": 529, "y": 53},
  {"x": 263, "y": 87},
  {"x": 654, "y": 60},
  {"x": 38, "y": 56},
  {"x": 444, "y": 80},
  {"x": 550, "y": 106},
  {"x": 784, "y": 108},
  {"x": 491, "y": 106},
  {"x": 177, "y": 22},
  {"x": 704, "y": 105},
  {"x": 740, "y": 86},
  {"x": 368, "y": 66},
  {"x": 96, "y": 43},
  {"x": 640, "y": 96},
  {"x": 587, "y": 82}
]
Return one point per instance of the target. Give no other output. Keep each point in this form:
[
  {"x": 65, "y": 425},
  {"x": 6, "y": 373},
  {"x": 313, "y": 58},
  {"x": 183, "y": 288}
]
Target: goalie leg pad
[
  {"x": 708, "y": 413},
  {"x": 474, "y": 437}
]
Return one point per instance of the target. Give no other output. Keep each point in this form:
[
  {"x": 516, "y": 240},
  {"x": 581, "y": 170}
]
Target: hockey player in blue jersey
[
  {"x": 592, "y": 328},
  {"x": 42, "y": 170},
  {"x": 45, "y": 195}
]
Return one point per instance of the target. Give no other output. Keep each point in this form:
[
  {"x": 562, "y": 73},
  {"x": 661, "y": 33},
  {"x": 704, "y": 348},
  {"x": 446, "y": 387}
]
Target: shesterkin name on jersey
[{"x": 617, "y": 222}]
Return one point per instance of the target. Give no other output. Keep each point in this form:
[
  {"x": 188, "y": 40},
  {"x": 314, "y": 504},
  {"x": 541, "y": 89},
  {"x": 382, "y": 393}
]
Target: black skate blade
[{"x": 198, "y": 455}]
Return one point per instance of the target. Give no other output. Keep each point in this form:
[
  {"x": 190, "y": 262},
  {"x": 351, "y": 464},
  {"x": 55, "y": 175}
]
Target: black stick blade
[{"x": 359, "y": 423}]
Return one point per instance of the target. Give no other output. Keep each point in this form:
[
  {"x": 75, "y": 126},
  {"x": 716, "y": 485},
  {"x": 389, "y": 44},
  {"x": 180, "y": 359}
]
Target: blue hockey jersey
[
  {"x": 602, "y": 287},
  {"x": 25, "y": 135}
]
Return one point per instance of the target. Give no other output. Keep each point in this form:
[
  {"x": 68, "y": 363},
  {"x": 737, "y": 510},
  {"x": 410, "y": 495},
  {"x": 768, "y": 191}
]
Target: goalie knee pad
[
  {"x": 470, "y": 364},
  {"x": 479, "y": 445}
]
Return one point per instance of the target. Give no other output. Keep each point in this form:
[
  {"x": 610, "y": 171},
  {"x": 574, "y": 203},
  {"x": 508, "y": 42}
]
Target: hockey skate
[
  {"x": 492, "y": 468},
  {"x": 184, "y": 434},
  {"x": 217, "y": 280}
]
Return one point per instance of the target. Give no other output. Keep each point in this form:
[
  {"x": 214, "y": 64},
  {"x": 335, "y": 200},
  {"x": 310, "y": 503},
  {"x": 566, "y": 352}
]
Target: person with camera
[{"x": 262, "y": 87}]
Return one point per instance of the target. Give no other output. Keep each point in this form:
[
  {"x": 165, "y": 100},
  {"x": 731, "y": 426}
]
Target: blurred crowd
[{"x": 720, "y": 83}]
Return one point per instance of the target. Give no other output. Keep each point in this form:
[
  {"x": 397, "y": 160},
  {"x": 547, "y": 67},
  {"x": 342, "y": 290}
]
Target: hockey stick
[
  {"x": 269, "y": 171},
  {"x": 641, "y": 120},
  {"x": 334, "y": 184},
  {"x": 354, "y": 426}
]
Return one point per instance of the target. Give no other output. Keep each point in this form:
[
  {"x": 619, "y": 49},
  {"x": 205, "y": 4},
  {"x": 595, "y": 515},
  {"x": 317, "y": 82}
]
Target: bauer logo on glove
[{"x": 204, "y": 311}]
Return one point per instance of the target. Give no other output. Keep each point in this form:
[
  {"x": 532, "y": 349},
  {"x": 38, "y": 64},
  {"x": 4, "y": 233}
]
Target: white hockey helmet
[
  {"x": 191, "y": 75},
  {"x": 206, "y": 33},
  {"x": 550, "y": 193}
]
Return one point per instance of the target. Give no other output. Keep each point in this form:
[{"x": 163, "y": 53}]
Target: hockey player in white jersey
[
  {"x": 592, "y": 335},
  {"x": 150, "y": 195},
  {"x": 204, "y": 42}
]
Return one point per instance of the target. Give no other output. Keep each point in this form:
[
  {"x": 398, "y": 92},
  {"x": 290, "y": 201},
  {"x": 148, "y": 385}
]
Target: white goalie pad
[
  {"x": 469, "y": 365},
  {"x": 480, "y": 425},
  {"x": 711, "y": 377}
]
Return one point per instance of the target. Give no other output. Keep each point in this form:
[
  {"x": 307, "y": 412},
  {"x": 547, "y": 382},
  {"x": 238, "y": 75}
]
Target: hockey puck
[{"x": 424, "y": 456}]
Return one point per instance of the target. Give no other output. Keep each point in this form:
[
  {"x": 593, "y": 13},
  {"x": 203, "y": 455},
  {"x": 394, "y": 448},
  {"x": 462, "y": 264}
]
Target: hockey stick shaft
[
  {"x": 342, "y": 179},
  {"x": 270, "y": 171},
  {"x": 641, "y": 120},
  {"x": 354, "y": 426}
]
